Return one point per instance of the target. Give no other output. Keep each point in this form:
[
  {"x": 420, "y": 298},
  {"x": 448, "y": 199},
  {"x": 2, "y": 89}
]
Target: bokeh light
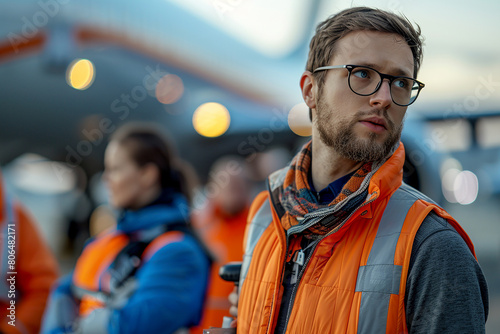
[
  {"x": 80, "y": 74},
  {"x": 466, "y": 187},
  {"x": 460, "y": 186},
  {"x": 35, "y": 174},
  {"x": 298, "y": 120},
  {"x": 449, "y": 163},
  {"x": 448, "y": 184},
  {"x": 169, "y": 89},
  {"x": 211, "y": 119}
]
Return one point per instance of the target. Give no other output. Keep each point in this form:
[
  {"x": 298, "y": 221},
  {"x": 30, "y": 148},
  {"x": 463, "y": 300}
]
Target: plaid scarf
[{"x": 297, "y": 199}]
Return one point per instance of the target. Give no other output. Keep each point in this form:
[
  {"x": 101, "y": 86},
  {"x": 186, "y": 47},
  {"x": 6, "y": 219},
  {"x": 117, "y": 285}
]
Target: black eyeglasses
[{"x": 366, "y": 81}]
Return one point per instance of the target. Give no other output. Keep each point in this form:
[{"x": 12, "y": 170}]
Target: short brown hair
[{"x": 328, "y": 32}]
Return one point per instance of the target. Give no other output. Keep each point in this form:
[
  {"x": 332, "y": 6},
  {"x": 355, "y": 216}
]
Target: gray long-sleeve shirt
[{"x": 446, "y": 291}]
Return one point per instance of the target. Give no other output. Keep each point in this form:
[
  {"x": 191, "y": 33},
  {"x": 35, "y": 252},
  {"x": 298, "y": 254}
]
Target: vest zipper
[
  {"x": 294, "y": 290},
  {"x": 306, "y": 262}
]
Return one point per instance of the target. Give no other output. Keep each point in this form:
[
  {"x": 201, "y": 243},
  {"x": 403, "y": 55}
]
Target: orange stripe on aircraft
[{"x": 17, "y": 45}]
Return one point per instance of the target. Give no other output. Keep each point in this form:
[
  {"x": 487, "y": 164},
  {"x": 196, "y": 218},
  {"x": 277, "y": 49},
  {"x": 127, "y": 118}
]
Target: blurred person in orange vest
[
  {"x": 149, "y": 274},
  {"x": 221, "y": 223},
  {"x": 28, "y": 269}
]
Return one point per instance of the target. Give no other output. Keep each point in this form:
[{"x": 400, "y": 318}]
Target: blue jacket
[{"x": 170, "y": 284}]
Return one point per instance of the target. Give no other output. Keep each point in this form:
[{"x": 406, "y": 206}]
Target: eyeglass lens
[{"x": 365, "y": 81}]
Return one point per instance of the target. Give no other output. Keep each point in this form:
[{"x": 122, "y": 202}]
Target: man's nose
[{"x": 382, "y": 97}]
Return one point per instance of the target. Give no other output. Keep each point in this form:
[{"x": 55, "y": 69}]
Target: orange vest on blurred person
[
  {"x": 26, "y": 260},
  {"x": 224, "y": 236},
  {"x": 91, "y": 275}
]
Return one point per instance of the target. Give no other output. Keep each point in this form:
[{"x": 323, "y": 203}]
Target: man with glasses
[{"x": 338, "y": 244}]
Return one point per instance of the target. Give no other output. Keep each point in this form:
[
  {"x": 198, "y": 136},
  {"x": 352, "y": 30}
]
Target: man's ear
[{"x": 309, "y": 89}]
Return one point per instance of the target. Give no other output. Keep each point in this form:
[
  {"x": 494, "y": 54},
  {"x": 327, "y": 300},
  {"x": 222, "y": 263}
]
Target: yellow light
[
  {"x": 298, "y": 120},
  {"x": 211, "y": 119},
  {"x": 80, "y": 74},
  {"x": 169, "y": 89}
]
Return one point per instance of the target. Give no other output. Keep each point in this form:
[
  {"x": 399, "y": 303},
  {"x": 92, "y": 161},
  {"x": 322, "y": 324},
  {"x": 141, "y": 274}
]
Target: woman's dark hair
[{"x": 148, "y": 144}]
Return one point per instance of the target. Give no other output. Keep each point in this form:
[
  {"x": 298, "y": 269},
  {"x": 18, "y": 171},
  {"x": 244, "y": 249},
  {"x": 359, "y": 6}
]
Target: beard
[{"x": 339, "y": 135}]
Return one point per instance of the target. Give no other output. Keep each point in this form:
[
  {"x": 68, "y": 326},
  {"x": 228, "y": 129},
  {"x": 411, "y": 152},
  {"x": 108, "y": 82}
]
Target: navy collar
[{"x": 331, "y": 191}]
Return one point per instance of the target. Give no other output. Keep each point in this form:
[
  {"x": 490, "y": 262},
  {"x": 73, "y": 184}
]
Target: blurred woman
[{"x": 150, "y": 273}]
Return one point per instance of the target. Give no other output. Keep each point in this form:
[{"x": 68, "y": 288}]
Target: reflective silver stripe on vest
[
  {"x": 380, "y": 277},
  {"x": 4, "y": 230},
  {"x": 258, "y": 225}
]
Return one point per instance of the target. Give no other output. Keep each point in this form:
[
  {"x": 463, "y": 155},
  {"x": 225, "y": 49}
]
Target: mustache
[{"x": 375, "y": 112}]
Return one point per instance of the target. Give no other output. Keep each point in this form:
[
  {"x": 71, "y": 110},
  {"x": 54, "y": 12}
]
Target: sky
[{"x": 461, "y": 67}]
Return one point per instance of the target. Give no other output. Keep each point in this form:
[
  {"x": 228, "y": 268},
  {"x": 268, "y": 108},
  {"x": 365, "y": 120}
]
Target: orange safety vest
[
  {"x": 355, "y": 279},
  {"x": 26, "y": 279},
  {"x": 224, "y": 237},
  {"x": 91, "y": 277}
]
